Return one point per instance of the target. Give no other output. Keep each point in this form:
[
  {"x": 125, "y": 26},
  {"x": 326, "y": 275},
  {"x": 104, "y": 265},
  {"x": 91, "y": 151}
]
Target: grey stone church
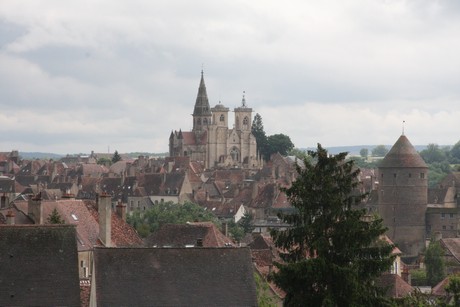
[{"x": 211, "y": 141}]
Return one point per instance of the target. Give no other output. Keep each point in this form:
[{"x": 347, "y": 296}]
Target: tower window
[
  {"x": 422, "y": 175},
  {"x": 394, "y": 175},
  {"x": 205, "y": 121},
  {"x": 222, "y": 118},
  {"x": 410, "y": 175}
]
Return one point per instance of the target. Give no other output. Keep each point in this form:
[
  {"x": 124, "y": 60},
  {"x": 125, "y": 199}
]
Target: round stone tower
[{"x": 403, "y": 196}]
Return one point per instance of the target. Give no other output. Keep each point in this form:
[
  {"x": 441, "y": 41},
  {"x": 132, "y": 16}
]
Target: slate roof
[
  {"x": 181, "y": 235},
  {"x": 174, "y": 277},
  {"x": 394, "y": 285},
  {"x": 39, "y": 266},
  {"x": 402, "y": 154}
]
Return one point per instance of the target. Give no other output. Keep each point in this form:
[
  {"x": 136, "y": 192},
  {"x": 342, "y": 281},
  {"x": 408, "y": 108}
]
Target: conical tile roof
[{"x": 402, "y": 154}]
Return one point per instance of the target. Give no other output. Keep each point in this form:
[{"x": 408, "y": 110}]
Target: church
[{"x": 211, "y": 142}]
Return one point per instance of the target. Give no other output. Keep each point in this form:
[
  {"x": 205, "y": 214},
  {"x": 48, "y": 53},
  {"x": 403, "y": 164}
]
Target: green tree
[
  {"x": 104, "y": 161},
  {"x": 146, "y": 222},
  {"x": 437, "y": 171},
  {"x": 379, "y": 151},
  {"x": 433, "y": 153},
  {"x": 455, "y": 153},
  {"x": 453, "y": 288},
  {"x": 246, "y": 223},
  {"x": 434, "y": 261},
  {"x": 236, "y": 231},
  {"x": 55, "y": 218},
  {"x": 332, "y": 253},
  {"x": 264, "y": 296},
  {"x": 116, "y": 157},
  {"x": 278, "y": 143},
  {"x": 259, "y": 133},
  {"x": 298, "y": 153},
  {"x": 364, "y": 152}
]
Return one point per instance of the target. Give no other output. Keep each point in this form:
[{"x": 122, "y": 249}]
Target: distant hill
[
  {"x": 39, "y": 155},
  {"x": 354, "y": 150}
]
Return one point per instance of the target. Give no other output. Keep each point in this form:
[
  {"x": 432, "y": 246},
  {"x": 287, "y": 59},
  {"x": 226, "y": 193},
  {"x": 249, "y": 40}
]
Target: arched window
[
  {"x": 205, "y": 121},
  {"x": 222, "y": 118},
  {"x": 245, "y": 121},
  {"x": 198, "y": 121}
]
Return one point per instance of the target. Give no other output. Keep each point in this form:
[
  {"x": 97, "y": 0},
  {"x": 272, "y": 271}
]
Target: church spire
[{"x": 202, "y": 111}]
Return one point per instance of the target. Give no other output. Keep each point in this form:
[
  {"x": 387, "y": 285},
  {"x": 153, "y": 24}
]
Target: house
[
  {"x": 38, "y": 265},
  {"x": 202, "y": 234},
  {"x": 394, "y": 285},
  {"x": 173, "y": 277},
  {"x": 96, "y": 224},
  {"x": 451, "y": 247}
]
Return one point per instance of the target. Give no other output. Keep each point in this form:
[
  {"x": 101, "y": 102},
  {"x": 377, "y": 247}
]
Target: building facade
[{"x": 211, "y": 141}]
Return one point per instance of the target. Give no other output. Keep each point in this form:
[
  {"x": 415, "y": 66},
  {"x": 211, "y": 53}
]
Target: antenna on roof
[{"x": 403, "y": 126}]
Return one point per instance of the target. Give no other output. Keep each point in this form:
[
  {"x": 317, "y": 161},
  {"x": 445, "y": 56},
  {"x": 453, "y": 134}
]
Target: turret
[{"x": 403, "y": 196}]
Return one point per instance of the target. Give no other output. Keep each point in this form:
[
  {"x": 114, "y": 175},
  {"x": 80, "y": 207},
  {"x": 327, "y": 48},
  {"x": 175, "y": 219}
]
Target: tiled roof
[
  {"x": 452, "y": 245},
  {"x": 181, "y": 235},
  {"x": 174, "y": 277},
  {"x": 39, "y": 266},
  {"x": 440, "y": 288},
  {"x": 395, "y": 286},
  {"x": 402, "y": 154}
]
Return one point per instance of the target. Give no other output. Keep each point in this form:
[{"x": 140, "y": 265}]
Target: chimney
[
  {"x": 225, "y": 228},
  {"x": 10, "y": 218},
  {"x": 105, "y": 219},
  {"x": 405, "y": 275},
  {"x": 35, "y": 208},
  {"x": 121, "y": 210}
]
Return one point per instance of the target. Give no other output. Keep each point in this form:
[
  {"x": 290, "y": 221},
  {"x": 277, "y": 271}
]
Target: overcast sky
[{"x": 77, "y": 76}]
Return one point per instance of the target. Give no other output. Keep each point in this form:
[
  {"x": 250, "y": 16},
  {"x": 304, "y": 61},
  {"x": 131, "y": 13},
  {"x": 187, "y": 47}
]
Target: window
[
  {"x": 205, "y": 121},
  {"x": 443, "y": 216},
  {"x": 451, "y": 215},
  {"x": 222, "y": 118},
  {"x": 410, "y": 175},
  {"x": 382, "y": 175},
  {"x": 444, "y": 227},
  {"x": 422, "y": 175},
  {"x": 394, "y": 175}
]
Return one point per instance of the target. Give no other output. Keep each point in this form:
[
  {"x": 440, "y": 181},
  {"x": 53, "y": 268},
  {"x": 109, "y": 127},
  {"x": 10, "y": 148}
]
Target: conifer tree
[
  {"x": 55, "y": 217},
  {"x": 116, "y": 157},
  {"x": 333, "y": 253}
]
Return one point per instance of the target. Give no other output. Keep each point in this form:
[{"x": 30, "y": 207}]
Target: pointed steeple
[
  {"x": 202, "y": 102},
  {"x": 202, "y": 111},
  {"x": 402, "y": 154}
]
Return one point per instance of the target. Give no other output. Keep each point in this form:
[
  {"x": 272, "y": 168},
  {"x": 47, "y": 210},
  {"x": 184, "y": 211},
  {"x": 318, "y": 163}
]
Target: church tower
[
  {"x": 201, "y": 112},
  {"x": 243, "y": 121},
  {"x": 403, "y": 196}
]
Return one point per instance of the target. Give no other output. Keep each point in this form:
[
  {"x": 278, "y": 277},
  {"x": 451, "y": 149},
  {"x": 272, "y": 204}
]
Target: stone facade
[
  {"x": 403, "y": 196},
  {"x": 211, "y": 141}
]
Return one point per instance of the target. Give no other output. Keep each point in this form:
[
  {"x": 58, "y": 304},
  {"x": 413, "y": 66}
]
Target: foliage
[
  {"x": 259, "y": 133},
  {"x": 264, "y": 299},
  {"x": 379, "y": 151},
  {"x": 437, "y": 171},
  {"x": 104, "y": 161},
  {"x": 55, "y": 218},
  {"x": 278, "y": 143},
  {"x": 147, "y": 222},
  {"x": 116, "y": 157},
  {"x": 434, "y": 261},
  {"x": 455, "y": 153},
  {"x": 453, "y": 288},
  {"x": 418, "y": 277},
  {"x": 246, "y": 223},
  {"x": 433, "y": 153},
  {"x": 235, "y": 231},
  {"x": 363, "y": 163},
  {"x": 333, "y": 255},
  {"x": 416, "y": 298},
  {"x": 364, "y": 152}
]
